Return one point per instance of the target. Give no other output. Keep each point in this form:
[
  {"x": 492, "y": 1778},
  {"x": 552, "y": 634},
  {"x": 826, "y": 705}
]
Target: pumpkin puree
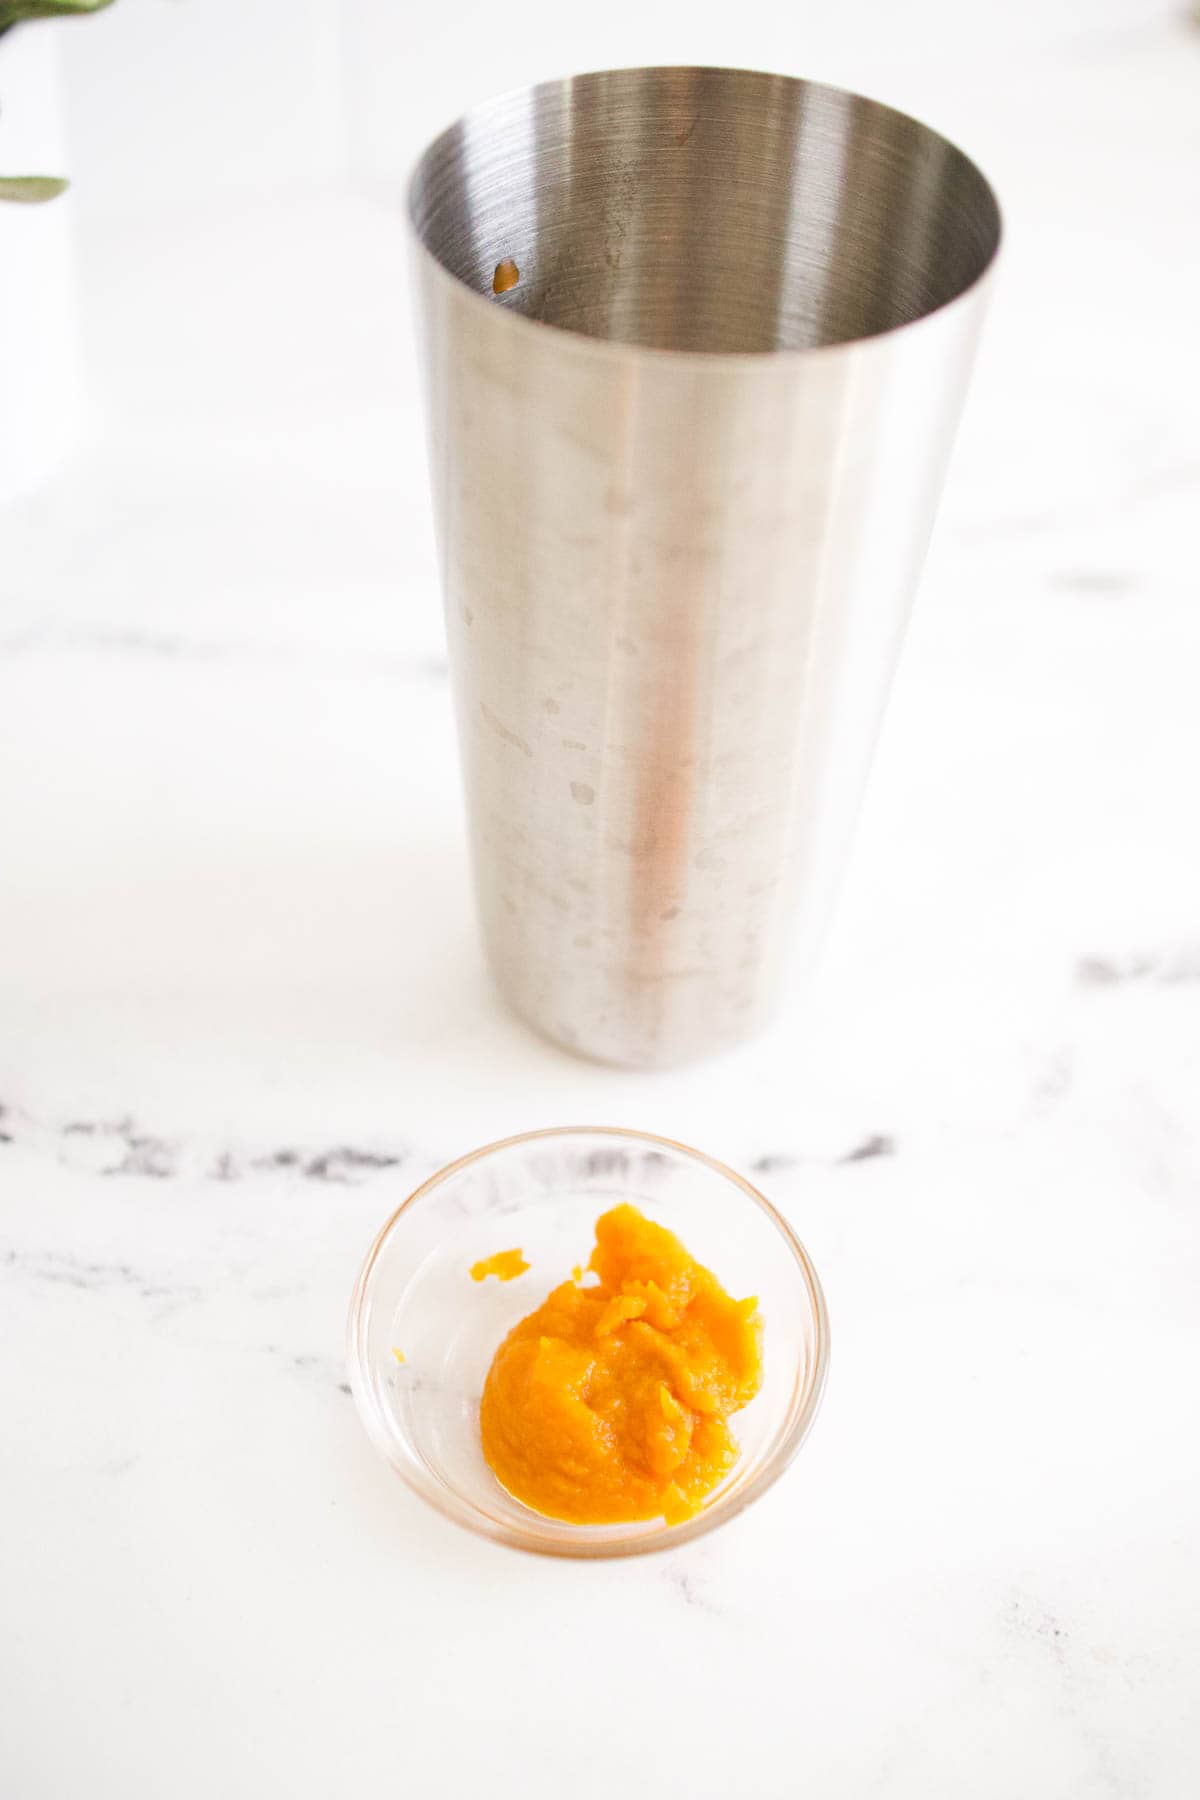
[
  {"x": 505, "y": 1265},
  {"x": 611, "y": 1402}
]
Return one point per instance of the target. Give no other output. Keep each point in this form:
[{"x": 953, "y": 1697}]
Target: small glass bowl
[{"x": 542, "y": 1192}]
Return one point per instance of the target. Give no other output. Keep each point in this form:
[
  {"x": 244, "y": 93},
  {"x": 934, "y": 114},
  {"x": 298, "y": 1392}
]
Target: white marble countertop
[{"x": 242, "y": 1012}]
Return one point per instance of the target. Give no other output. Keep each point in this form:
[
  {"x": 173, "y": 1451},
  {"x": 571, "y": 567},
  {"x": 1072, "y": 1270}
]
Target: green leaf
[
  {"x": 13, "y": 11},
  {"x": 30, "y": 188}
]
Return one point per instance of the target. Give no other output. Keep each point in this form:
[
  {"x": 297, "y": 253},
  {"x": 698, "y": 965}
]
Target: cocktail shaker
[{"x": 694, "y": 344}]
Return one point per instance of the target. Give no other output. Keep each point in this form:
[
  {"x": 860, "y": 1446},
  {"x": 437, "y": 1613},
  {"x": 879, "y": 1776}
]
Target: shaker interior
[{"x": 704, "y": 210}]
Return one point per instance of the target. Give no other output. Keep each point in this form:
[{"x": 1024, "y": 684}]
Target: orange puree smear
[
  {"x": 612, "y": 1402},
  {"x": 505, "y": 1264}
]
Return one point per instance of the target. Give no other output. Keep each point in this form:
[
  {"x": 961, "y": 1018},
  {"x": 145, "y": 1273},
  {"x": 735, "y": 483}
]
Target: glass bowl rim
[{"x": 452, "y": 1505}]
